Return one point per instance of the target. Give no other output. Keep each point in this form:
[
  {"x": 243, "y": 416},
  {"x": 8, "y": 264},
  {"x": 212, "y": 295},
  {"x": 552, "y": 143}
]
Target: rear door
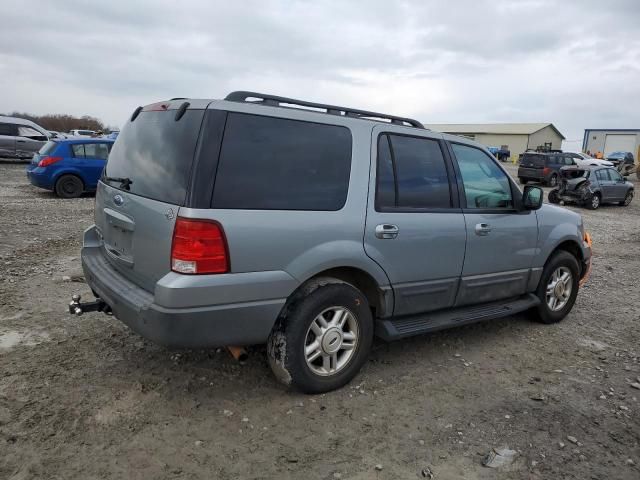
[
  {"x": 8, "y": 133},
  {"x": 501, "y": 240},
  {"x": 95, "y": 155},
  {"x": 415, "y": 229},
  {"x": 607, "y": 186},
  {"x": 155, "y": 153}
]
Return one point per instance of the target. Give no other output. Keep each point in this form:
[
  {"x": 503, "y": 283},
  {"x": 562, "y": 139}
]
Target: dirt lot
[{"x": 85, "y": 398}]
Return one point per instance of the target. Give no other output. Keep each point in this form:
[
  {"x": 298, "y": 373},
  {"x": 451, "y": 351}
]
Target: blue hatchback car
[{"x": 69, "y": 167}]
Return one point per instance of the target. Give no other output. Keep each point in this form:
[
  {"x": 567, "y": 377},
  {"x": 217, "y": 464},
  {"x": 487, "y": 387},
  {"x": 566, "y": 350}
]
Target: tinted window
[
  {"x": 155, "y": 152},
  {"x": 419, "y": 170},
  {"x": 8, "y": 129},
  {"x": 533, "y": 160},
  {"x": 271, "y": 163},
  {"x": 386, "y": 184},
  {"x": 485, "y": 184}
]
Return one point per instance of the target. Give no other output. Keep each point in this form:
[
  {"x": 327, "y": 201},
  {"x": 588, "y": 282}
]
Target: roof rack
[{"x": 275, "y": 101}]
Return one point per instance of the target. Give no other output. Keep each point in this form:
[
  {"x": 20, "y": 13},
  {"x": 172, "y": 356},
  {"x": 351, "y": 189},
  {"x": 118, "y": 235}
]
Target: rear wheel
[
  {"x": 594, "y": 202},
  {"x": 627, "y": 199},
  {"x": 69, "y": 186},
  {"x": 523, "y": 181},
  {"x": 553, "y": 196},
  {"x": 558, "y": 287},
  {"x": 323, "y": 339},
  {"x": 553, "y": 180}
]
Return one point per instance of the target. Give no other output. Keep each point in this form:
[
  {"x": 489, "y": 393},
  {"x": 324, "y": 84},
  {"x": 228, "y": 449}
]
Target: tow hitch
[{"x": 77, "y": 308}]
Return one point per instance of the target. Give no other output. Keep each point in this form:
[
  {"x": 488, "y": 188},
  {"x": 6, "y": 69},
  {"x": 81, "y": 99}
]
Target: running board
[{"x": 401, "y": 327}]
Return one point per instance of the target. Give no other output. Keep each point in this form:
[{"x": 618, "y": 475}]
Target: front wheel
[
  {"x": 627, "y": 199},
  {"x": 558, "y": 287},
  {"x": 323, "y": 338}
]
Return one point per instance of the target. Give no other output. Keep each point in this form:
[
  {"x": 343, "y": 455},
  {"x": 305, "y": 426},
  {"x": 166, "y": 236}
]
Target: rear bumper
[
  {"x": 530, "y": 173},
  {"x": 227, "y": 322},
  {"x": 39, "y": 179}
]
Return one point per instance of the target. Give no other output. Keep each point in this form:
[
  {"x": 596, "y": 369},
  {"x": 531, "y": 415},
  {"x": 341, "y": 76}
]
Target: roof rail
[{"x": 275, "y": 101}]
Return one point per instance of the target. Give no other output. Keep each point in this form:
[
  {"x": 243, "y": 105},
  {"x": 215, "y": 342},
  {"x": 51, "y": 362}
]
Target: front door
[
  {"x": 8, "y": 133},
  {"x": 415, "y": 229},
  {"x": 501, "y": 240}
]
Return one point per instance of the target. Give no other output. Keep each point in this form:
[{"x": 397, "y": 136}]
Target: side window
[
  {"x": 269, "y": 163},
  {"x": 8, "y": 129},
  {"x": 602, "y": 175},
  {"x": 78, "y": 150},
  {"x": 385, "y": 178},
  {"x": 96, "y": 150},
  {"x": 569, "y": 160},
  {"x": 615, "y": 176},
  {"x": 29, "y": 132},
  {"x": 485, "y": 184}
]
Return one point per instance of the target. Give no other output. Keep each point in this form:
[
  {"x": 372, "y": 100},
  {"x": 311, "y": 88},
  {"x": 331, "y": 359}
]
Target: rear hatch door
[
  {"x": 143, "y": 185},
  {"x": 531, "y": 165}
]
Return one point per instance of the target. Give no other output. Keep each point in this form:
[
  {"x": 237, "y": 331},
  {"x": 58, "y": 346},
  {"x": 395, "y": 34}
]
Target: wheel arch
[{"x": 74, "y": 173}]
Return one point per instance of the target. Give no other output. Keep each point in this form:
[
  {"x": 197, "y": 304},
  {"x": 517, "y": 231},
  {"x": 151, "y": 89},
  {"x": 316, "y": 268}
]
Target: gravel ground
[{"x": 85, "y": 398}]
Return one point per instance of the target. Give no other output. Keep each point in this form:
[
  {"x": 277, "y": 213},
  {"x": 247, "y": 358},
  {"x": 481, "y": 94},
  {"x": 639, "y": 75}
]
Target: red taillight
[
  {"x": 46, "y": 161},
  {"x": 546, "y": 171},
  {"x": 199, "y": 246}
]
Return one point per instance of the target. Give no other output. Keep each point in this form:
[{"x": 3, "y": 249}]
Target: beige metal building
[
  {"x": 612, "y": 140},
  {"x": 517, "y": 137}
]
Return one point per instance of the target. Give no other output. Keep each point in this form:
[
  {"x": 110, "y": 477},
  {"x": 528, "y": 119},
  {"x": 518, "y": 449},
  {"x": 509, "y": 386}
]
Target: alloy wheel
[
  {"x": 331, "y": 341},
  {"x": 559, "y": 288}
]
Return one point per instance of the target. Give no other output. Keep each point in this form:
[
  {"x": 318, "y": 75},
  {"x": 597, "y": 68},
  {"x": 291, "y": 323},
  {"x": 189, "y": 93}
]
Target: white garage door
[{"x": 619, "y": 143}]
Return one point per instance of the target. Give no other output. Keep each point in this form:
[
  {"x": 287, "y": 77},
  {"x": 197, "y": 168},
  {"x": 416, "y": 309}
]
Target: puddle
[{"x": 10, "y": 339}]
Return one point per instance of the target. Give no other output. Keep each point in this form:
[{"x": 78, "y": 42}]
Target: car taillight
[
  {"x": 199, "y": 247},
  {"x": 546, "y": 171},
  {"x": 46, "y": 161}
]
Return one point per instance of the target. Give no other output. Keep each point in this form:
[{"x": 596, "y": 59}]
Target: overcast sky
[{"x": 576, "y": 64}]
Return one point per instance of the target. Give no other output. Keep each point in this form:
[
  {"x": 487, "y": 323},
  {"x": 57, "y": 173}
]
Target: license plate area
[{"x": 118, "y": 239}]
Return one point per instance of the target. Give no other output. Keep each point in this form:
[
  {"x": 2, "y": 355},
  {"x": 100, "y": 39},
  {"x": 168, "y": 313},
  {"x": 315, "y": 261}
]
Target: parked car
[
  {"x": 501, "y": 153},
  {"x": 69, "y": 167},
  {"x": 543, "y": 167},
  {"x": 20, "y": 138},
  {"x": 241, "y": 221},
  {"x": 82, "y": 133},
  {"x": 592, "y": 186},
  {"x": 113, "y": 135},
  {"x": 616, "y": 158},
  {"x": 56, "y": 135},
  {"x": 583, "y": 160}
]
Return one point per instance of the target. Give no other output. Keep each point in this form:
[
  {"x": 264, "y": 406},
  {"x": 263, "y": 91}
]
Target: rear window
[
  {"x": 533, "y": 160},
  {"x": 48, "y": 148},
  {"x": 155, "y": 152},
  {"x": 269, "y": 163}
]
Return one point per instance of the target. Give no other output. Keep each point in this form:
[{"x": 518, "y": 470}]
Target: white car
[
  {"x": 584, "y": 160},
  {"x": 82, "y": 133}
]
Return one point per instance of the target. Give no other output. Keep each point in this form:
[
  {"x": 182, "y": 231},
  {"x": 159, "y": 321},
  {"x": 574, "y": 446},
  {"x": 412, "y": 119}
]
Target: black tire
[
  {"x": 553, "y": 180},
  {"x": 560, "y": 259},
  {"x": 553, "y": 196},
  {"x": 69, "y": 186},
  {"x": 594, "y": 202},
  {"x": 523, "y": 181},
  {"x": 292, "y": 334},
  {"x": 627, "y": 199}
]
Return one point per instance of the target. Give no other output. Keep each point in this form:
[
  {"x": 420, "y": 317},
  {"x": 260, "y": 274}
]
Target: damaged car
[{"x": 591, "y": 186}]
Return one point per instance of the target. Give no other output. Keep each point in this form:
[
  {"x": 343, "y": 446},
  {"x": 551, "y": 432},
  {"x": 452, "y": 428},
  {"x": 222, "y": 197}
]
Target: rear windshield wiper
[{"x": 124, "y": 182}]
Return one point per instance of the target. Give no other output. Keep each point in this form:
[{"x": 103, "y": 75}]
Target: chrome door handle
[
  {"x": 387, "y": 231},
  {"x": 483, "y": 229}
]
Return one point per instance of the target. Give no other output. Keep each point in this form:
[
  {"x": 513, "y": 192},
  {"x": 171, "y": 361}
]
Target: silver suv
[{"x": 313, "y": 228}]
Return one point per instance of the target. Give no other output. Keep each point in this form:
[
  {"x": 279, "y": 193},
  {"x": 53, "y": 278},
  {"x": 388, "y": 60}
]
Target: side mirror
[{"x": 532, "y": 197}]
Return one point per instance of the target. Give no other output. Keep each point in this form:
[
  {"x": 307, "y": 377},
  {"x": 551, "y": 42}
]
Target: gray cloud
[{"x": 572, "y": 63}]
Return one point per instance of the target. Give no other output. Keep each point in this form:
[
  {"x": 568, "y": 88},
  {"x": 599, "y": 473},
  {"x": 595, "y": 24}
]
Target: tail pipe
[{"x": 239, "y": 353}]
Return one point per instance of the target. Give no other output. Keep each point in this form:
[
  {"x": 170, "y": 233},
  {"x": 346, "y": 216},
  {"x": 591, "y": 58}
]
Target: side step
[{"x": 402, "y": 327}]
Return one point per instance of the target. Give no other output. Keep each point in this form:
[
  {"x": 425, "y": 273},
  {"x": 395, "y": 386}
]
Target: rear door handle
[
  {"x": 387, "y": 231},
  {"x": 483, "y": 229}
]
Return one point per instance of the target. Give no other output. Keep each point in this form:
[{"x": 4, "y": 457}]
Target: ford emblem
[{"x": 118, "y": 200}]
